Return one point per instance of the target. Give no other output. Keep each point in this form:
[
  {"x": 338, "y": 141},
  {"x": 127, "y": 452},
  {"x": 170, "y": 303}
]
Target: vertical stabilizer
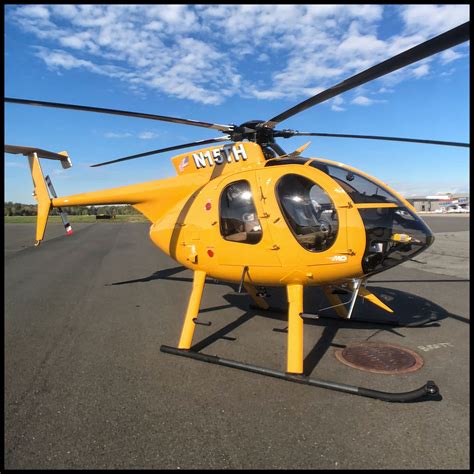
[
  {"x": 41, "y": 195},
  {"x": 40, "y": 191}
]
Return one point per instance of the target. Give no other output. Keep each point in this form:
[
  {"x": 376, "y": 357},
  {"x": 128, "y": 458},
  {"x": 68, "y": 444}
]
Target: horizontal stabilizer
[
  {"x": 50, "y": 155},
  {"x": 365, "y": 293}
]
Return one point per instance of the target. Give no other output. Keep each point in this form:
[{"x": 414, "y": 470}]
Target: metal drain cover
[{"x": 380, "y": 358}]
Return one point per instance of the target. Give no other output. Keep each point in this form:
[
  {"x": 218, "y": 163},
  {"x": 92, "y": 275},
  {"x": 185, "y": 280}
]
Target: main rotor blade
[
  {"x": 85, "y": 108},
  {"x": 376, "y": 137},
  {"x": 428, "y": 48},
  {"x": 162, "y": 150}
]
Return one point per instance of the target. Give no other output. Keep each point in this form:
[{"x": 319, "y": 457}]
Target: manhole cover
[{"x": 380, "y": 358}]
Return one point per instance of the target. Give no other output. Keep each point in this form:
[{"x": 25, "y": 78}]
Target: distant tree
[{"x": 19, "y": 209}]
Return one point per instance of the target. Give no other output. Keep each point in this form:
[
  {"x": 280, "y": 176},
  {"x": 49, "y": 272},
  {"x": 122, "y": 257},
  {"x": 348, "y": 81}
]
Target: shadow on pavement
[
  {"x": 167, "y": 274},
  {"x": 409, "y": 311}
]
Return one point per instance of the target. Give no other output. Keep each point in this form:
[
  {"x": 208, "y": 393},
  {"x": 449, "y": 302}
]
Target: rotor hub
[{"x": 253, "y": 131}]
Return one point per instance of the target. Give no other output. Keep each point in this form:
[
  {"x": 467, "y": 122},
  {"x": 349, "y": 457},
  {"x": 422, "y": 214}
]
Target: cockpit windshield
[
  {"x": 393, "y": 235},
  {"x": 359, "y": 188}
]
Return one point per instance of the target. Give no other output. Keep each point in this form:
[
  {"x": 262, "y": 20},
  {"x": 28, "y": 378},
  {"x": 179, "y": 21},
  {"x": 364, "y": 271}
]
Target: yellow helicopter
[{"x": 247, "y": 212}]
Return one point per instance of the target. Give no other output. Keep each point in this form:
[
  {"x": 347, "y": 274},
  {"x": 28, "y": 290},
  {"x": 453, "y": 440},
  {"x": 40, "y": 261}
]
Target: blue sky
[{"x": 229, "y": 64}]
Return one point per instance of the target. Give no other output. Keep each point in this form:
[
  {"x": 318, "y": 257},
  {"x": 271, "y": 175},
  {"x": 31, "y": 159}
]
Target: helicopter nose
[
  {"x": 429, "y": 239},
  {"x": 393, "y": 235}
]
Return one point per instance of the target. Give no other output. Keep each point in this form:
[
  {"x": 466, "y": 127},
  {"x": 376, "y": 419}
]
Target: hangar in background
[{"x": 441, "y": 202}]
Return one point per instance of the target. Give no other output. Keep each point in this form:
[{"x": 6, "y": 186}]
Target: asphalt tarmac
[{"x": 86, "y": 385}]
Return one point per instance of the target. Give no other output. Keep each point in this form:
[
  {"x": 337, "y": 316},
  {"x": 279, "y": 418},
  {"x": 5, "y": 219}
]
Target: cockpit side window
[
  {"x": 309, "y": 212},
  {"x": 360, "y": 189},
  {"x": 238, "y": 217}
]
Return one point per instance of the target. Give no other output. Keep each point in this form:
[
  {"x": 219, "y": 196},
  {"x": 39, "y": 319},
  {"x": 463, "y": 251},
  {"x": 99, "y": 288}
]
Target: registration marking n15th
[
  {"x": 219, "y": 155},
  {"x": 439, "y": 345}
]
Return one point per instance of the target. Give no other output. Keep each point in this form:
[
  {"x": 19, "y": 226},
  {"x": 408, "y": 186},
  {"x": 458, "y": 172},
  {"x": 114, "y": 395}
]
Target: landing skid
[
  {"x": 295, "y": 354},
  {"x": 429, "y": 389}
]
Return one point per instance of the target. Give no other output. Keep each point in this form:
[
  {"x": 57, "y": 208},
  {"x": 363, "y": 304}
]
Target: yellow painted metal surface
[
  {"x": 41, "y": 195},
  {"x": 335, "y": 301},
  {"x": 252, "y": 291},
  {"x": 185, "y": 217},
  {"x": 375, "y": 205},
  {"x": 219, "y": 160},
  {"x": 365, "y": 293},
  {"x": 190, "y": 232},
  {"x": 295, "y": 329},
  {"x": 228, "y": 253},
  {"x": 153, "y": 199},
  {"x": 192, "y": 312}
]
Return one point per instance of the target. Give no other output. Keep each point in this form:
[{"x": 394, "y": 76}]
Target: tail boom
[{"x": 152, "y": 199}]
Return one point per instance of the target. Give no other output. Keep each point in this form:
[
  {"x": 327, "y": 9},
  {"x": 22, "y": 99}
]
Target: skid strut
[
  {"x": 295, "y": 351},
  {"x": 429, "y": 388}
]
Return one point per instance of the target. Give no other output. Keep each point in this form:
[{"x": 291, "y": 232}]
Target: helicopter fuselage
[
  {"x": 285, "y": 221},
  {"x": 239, "y": 216}
]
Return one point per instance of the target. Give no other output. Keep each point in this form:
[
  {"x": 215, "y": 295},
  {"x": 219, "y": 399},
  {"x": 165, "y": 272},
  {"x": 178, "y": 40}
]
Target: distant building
[{"x": 439, "y": 202}]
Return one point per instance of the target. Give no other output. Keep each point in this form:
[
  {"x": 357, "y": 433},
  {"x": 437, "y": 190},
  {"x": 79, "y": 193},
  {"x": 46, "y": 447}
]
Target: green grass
[{"x": 73, "y": 219}]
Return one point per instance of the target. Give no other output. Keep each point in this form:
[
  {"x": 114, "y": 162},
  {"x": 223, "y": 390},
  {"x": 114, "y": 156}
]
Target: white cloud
[
  {"x": 61, "y": 59},
  {"x": 365, "y": 101},
  {"x": 147, "y": 135},
  {"x": 336, "y": 104},
  {"x": 207, "y": 53},
  {"x": 430, "y": 20},
  {"x": 67, "y": 11},
  {"x": 449, "y": 55},
  {"x": 421, "y": 70},
  {"x": 449, "y": 72},
  {"x": 35, "y": 11},
  {"x": 117, "y": 135},
  {"x": 362, "y": 100}
]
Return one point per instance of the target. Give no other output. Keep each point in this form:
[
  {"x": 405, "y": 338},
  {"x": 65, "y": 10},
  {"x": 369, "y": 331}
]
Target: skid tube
[{"x": 429, "y": 389}]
